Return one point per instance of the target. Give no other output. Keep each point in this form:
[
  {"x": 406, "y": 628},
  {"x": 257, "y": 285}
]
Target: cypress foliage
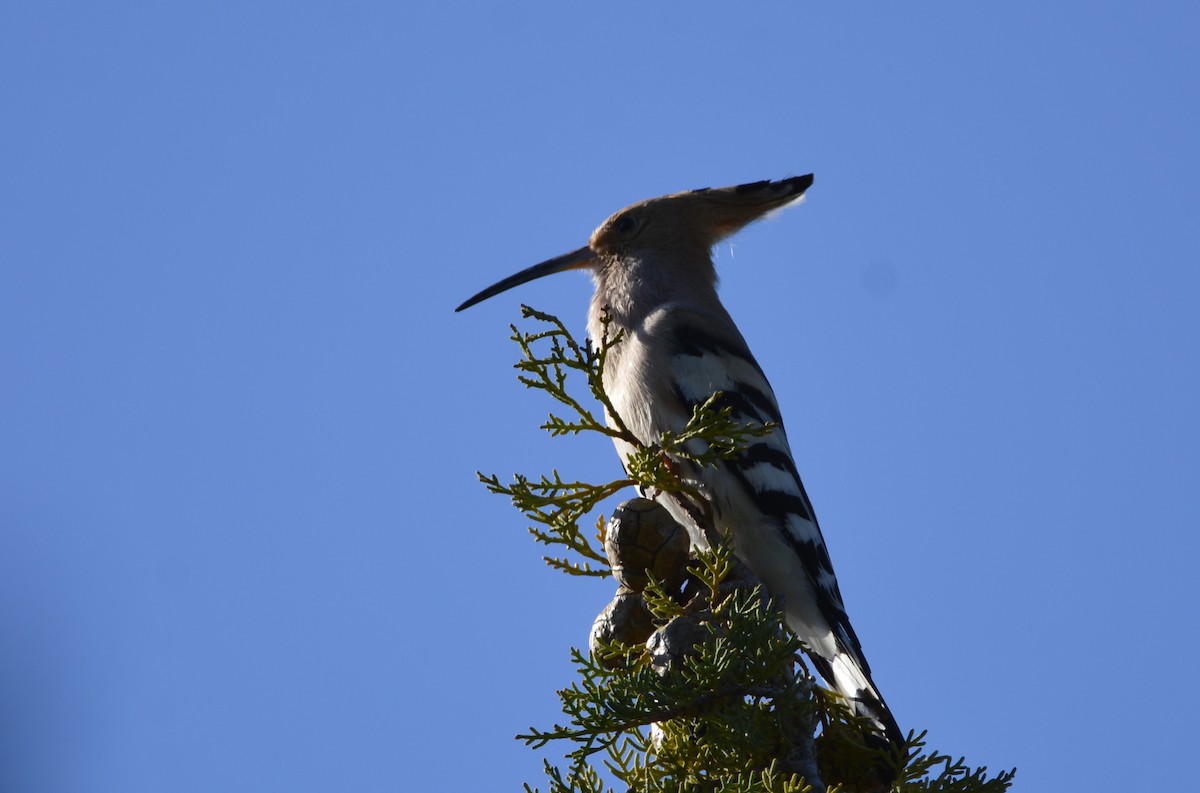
[{"x": 693, "y": 682}]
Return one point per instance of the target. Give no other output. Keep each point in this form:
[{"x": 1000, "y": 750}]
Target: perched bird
[{"x": 655, "y": 280}]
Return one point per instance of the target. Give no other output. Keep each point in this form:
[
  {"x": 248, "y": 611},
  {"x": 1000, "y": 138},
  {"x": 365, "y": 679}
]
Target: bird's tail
[
  {"x": 849, "y": 675},
  {"x": 852, "y": 680}
]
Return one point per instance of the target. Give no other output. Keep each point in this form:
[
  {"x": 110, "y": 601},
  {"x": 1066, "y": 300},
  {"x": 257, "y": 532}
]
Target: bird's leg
[{"x": 698, "y": 508}]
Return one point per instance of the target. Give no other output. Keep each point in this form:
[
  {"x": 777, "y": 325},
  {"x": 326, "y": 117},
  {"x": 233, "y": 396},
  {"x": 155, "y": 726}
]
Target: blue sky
[{"x": 241, "y": 543}]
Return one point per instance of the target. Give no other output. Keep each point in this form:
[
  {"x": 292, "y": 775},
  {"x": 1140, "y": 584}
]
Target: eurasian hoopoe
[{"x": 655, "y": 281}]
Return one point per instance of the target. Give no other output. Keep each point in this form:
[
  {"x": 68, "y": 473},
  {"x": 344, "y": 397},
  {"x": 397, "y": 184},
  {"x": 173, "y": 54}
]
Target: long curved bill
[{"x": 575, "y": 260}]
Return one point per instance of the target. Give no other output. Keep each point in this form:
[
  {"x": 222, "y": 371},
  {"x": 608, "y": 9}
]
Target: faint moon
[{"x": 879, "y": 278}]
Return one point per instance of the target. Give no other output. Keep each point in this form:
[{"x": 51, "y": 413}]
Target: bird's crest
[{"x": 696, "y": 219}]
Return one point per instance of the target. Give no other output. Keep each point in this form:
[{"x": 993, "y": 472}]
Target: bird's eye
[{"x": 626, "y": 224}]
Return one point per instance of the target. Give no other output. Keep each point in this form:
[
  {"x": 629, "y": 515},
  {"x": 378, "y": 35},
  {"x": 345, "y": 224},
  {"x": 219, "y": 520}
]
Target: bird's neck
[{"x": 635, "y": 286}]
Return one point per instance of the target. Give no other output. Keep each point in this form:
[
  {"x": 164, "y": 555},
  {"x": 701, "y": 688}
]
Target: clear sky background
[{"x": 242, "y": 547}]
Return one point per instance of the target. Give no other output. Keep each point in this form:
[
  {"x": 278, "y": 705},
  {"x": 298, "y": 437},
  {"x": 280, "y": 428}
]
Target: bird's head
[
  {"x": 677, "y": 225},
  {"x": 692, "y": 221}
]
